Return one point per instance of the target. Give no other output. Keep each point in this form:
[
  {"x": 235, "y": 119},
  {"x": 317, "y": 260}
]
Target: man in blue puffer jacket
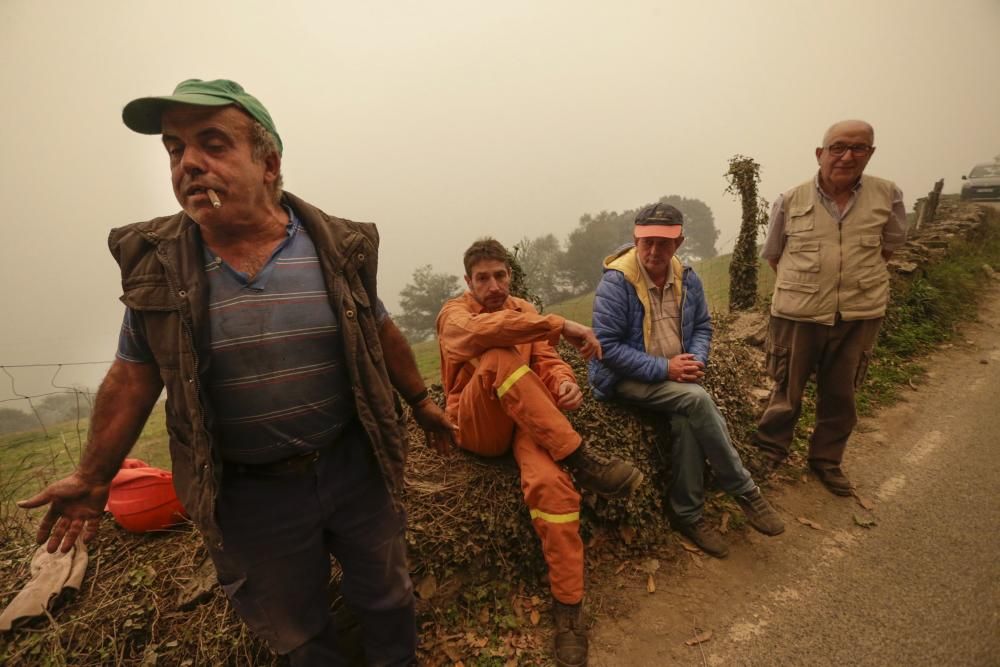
[{"x": 652, "y": 321}]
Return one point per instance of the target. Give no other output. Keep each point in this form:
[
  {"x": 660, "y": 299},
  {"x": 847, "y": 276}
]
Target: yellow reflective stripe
[
  {"x": 511, "y": 379},
  {"x": 555, "y": 518}
]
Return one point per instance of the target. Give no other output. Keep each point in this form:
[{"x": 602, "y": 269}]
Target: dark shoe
[
  {"x": 707, "y": 539},
  {"x": 834, "y": 479},
  {"x": 759, "y": 513},
  {"x": 608, "y": 477},
  {"x": 571, "y": 634}
]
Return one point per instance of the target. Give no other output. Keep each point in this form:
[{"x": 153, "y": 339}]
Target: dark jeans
[
  {"x": 839, "y": 355},
  {"x": 279, "y": 532}
]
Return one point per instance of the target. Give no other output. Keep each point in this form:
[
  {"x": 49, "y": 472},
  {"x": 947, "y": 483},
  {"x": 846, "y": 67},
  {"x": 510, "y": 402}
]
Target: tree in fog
[
  {"x": 541, "y": 260},
  {"x": 12, "y": 420},
  {"x": 595, "y": 238},
  {"x": 421, "y": 300},
  {"x": 598, "y": 236},
  {"x": 700, "y": 233},
  {"x": 63, "y": 407}
]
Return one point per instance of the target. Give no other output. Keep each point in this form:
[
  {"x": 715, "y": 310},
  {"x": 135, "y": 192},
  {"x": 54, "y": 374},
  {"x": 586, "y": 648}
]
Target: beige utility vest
[{"x": 828, "y": 267}]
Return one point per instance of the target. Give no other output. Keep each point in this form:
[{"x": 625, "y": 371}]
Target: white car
[{"x": 983, "y": 182}]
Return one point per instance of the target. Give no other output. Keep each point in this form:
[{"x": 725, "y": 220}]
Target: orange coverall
[{"x": 501, "y": 375}]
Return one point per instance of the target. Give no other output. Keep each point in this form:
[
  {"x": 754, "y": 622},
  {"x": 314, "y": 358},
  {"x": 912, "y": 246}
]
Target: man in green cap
[{"x": 260, "y": 316}]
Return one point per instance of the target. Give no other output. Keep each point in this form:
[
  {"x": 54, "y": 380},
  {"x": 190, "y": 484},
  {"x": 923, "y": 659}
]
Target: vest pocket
[
  {"x": 802, "y": 256},
  {"x": 794, "y": 299},
  {"x": 872, "y": 281},
  {"x": 870, "y": 249},
  {"x": 799, "y": 220},
  {"x": 873, "y": 292}
]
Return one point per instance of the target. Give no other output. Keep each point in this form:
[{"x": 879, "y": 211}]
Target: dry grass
[{"x": 475, "y": 557}]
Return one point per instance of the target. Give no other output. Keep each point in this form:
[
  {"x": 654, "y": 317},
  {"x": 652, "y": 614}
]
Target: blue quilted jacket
[{"x": 620, "y": 322}]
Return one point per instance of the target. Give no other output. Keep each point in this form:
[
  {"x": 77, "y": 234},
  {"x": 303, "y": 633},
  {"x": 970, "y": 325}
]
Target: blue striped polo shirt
[{"x": 277, "y": 379}]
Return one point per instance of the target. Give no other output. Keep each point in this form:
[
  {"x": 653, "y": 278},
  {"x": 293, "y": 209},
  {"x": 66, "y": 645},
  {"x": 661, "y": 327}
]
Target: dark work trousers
[
  {"x": 279, "y": 532},
  {"x": 839, "y": 355}
]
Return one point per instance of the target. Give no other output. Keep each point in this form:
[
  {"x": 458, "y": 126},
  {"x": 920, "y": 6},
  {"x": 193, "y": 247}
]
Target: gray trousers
[
  {"x": 697, "y": 432},
  {"x": 279, "y": 532},
  {"x": 839, "y": 356}
]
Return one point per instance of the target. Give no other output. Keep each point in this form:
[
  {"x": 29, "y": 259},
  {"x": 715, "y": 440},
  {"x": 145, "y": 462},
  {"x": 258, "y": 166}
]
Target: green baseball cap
[{"x": 143, "y": 115}]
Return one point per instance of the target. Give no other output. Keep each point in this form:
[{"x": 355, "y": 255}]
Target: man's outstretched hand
[
  {"x": 583, "y": 339},
  {"x": 439, "y": 431},
  {"x": 76, "y": 506}
]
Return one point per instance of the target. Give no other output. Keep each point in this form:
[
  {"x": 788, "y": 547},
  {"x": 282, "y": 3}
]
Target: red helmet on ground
[{"x": 143, "y": 499}]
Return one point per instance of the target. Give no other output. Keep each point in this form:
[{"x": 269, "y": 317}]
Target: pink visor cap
[{"x": 660, "y": 220}]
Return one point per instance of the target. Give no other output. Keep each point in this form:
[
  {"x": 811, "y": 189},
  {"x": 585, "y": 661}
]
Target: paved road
[{"x": 922, "y": 587}]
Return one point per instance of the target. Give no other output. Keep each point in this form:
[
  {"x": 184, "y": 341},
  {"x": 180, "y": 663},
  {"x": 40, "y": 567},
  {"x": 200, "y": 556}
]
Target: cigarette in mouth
[{"x": 214, "y": 198}]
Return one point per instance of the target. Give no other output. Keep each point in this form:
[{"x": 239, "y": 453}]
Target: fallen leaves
[
  {"x": 699, "y": 638},
  {"x": 864, "y": 521},
  {"x": 427, "y": 587},
  {"x": 724, "y": 522},
  {"x": 650, "y": 566},
  {"x": 864, "y": 502},
  {"x": 809, "y": 522},
  {"x": 690, "y": 547}
]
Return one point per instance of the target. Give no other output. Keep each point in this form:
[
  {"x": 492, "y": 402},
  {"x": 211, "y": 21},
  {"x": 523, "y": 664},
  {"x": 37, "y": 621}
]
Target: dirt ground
[{"x": 906, "y": 573}]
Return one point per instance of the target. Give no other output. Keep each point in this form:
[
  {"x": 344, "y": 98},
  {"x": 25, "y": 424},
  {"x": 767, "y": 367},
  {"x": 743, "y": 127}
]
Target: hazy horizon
[{"x": 446, "y": 121}]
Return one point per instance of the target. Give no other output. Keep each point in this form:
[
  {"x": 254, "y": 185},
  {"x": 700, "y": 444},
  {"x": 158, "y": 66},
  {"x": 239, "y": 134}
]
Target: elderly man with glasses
[{"x": 828, "y": 240}]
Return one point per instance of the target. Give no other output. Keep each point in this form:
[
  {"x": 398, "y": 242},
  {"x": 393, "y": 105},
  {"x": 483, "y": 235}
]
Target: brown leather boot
[
  {"x": 606, "y": 476},
  {"x": 834, "y": 479},
  {"x": 571, "y": 634},
  {"x": 706, "y": 538},
  {"x": 759, "y": 513}
]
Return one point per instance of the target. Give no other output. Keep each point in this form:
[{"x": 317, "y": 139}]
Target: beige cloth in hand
[{"x": 51, "y": 574}]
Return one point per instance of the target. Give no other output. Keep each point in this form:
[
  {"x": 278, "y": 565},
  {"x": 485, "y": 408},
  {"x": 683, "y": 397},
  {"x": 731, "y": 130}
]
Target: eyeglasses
[{"x": 857, "y": 150}]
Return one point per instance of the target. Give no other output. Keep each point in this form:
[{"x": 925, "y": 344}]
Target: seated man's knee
[
  {"x": 695, "y": 399},
  {"x": 500, "y": 357}
]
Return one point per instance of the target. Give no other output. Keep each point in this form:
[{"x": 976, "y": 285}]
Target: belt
[{"x": 293, "y": 465}]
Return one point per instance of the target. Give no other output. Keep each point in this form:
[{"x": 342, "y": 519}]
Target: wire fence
[
  {"x": 40, "y": 405},
  {"x": 43, "y": 420}
]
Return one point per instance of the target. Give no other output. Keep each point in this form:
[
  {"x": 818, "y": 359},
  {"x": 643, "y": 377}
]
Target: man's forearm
[
  {"x": 464, "y": 336},
  {"x": 123, "y": 404},
  {"x": 400, "y": 362}
]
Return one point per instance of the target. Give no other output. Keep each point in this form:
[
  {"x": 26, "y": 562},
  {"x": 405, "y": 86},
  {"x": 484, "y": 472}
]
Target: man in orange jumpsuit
[{"x": 506, "y": 388}]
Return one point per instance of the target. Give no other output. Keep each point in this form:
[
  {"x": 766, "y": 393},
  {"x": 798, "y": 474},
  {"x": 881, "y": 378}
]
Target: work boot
[
  {"x": 759, "y": 512},
  {"x": 608, "y": 477},
  {"x": 571, "y": 634},
  {"x": 834, "y": 479},
  {"x": 705, "y": 537}
]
